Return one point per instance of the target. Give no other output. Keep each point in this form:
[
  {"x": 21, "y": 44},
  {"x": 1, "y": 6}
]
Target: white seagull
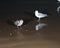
[
  {"x": 18, "y": 23},
  {"x": 39, "y": 15},
  {"x": 58, "y": 9}
]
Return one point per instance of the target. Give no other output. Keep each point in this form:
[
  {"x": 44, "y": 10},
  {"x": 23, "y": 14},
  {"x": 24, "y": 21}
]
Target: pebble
[{"x": 11, "y": 34}]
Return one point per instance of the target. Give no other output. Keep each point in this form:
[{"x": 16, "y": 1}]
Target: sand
[{"x": 28, "y": 37}]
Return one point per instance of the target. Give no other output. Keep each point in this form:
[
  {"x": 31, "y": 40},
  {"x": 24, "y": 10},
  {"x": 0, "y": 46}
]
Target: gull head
[{"x": 36, "y": 12}]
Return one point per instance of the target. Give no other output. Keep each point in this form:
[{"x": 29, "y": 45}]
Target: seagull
[
  {"x": 18, "y": 23},
  {"x": 39, "y": 15},
  {"x": 58, "y": 9}
]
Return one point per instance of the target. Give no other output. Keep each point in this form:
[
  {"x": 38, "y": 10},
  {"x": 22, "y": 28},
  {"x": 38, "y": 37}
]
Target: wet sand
[{"x": 28, "y": 37}]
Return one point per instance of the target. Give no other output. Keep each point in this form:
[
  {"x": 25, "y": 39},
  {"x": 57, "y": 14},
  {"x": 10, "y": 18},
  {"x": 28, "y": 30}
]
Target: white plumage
[
  {"x": 58, "y": 0},
  {"x": 58, "y": 9},
  {"x": 39, "y": 15},
  {"x": 18, "y": 23}
]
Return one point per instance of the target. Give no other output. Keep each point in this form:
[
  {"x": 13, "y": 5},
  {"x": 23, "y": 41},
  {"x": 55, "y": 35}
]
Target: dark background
[
  {"x": 18, "y": 5},
  {"x": 11, "y": 10},
  {"x": 18, "y": 8}
]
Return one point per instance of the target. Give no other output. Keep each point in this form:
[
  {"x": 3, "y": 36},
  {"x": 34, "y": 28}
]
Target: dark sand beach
[{"x": 28, "y": 37}]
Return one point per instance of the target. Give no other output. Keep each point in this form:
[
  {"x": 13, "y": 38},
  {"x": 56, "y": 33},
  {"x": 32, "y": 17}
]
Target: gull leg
[
  {"x": 20, "y": 27},
  {"x": 17, "y": 27},
  {"x": 38, "y": 20},
  {"x": 19, "y": 31}
]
